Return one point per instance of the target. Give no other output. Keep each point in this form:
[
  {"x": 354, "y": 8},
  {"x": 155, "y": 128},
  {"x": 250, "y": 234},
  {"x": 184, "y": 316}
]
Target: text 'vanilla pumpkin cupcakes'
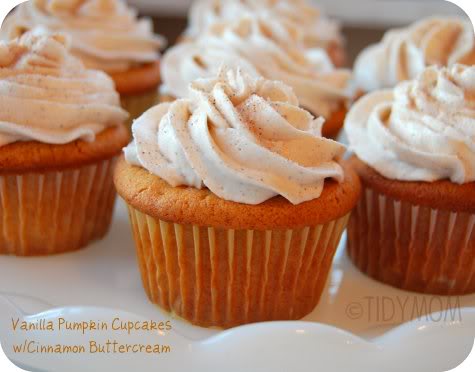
[
  {"x": 106, "y": 35},
  {"x": 61, "y": 129},
  {"x": 414, "y": 227},
  {"x": 266, "y": 47},
  {"x": 237, "y": 202},
  {"x": 313, "y": 29},
  {"x": 404, "y": 53}
]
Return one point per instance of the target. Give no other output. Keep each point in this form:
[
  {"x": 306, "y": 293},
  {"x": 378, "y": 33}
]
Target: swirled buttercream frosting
[
  {"x": 315, "y": 30},
  {"x": 106, "y": 34},
  {"x": 404, "y": 53},
  {"x": 263, "y": 46},
  {"x": 424, "y": 130},
  {"x": 244, "y": 138},
  {"x": 47, "y": 95}
]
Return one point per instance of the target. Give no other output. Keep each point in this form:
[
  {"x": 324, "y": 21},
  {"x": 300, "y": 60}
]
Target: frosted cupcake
[
  {"x": 268, "y": 48},
  {"x": 223, "y": 239},
  {"x": 404, "y": 53},
  {"x": 106, "y": 35},
  {"x": 415, "y": 154},
  {"x": 61, "y": 129},
  {"x": 314, "y": 29}
]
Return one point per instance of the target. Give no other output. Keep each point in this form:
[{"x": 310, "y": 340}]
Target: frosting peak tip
[
  {"x": 65, "y": 100},
  {"x": 422, "y": 130},
  {"x": 25, "y": 50},
  {"x": 105, "y": 34}
]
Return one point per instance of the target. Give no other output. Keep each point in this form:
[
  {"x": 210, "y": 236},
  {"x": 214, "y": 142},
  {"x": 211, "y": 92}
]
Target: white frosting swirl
[
  {"x": 106, "y": 34},
  {"x": 404, "y": 53},
  {"x": 47, "y": 95},
  {"x": 315, "y": 30},
  {"x": 270, "y": 48},
  {"x": 424, "y": 131},
  {"x": 243, "y": 138},
  {"x": 186, "y": 62}
]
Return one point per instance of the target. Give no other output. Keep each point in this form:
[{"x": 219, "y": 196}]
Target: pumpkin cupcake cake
[
  {"x": 266, "y": 47},
  {"x": 106, "y": 35},
  {"x": 223, "y": 239},
  {"x": 404, "y": 53},
  {"x": 61, "y": 129},
  {"x": 314, "y": 29},
  {"x": 414, "y": 227}
]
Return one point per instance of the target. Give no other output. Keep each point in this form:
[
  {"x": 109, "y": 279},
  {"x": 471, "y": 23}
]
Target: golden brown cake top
[
  {"x": 137, "y": 80},
  {"x": 187, "y": 205},
  {"x": 33, "y": 156},
  {"x": 443, "y": 194}
]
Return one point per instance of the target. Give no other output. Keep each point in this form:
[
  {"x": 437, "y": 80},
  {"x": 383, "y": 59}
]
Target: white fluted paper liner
[
  {"x": 413, "y": 247},
  {"x": 223, "y": 278},
  {"x": 57, "y": 211}
]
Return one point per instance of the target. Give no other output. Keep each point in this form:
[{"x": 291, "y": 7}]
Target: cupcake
[
  {"x": 268, "y": 48},
  {"x": 61, "y": 130},
  {"x": 415, "y": 155},
  {"x": 237, "y": 203},
  {"x": 404, "y": 53},
  {"x": 314, "y": 28},
  {"x": 106, "y": 35}
]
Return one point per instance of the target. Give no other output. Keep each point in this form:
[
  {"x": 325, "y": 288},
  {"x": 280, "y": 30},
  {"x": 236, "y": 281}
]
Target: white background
[{"x": 467, "y": 5}]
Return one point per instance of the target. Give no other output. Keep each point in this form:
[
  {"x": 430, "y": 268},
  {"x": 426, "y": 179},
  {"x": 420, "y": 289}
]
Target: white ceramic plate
[{"x": 359, "y": 323}]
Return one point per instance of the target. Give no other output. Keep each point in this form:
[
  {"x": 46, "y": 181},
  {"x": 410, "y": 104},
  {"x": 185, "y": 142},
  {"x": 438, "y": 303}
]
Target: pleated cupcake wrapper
[
  {"x": 137, "y": 104},
  {"x": 223, "y": 278},
  {"x": 413, "y": 247},
  {"x": 55, "y": 212}
]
